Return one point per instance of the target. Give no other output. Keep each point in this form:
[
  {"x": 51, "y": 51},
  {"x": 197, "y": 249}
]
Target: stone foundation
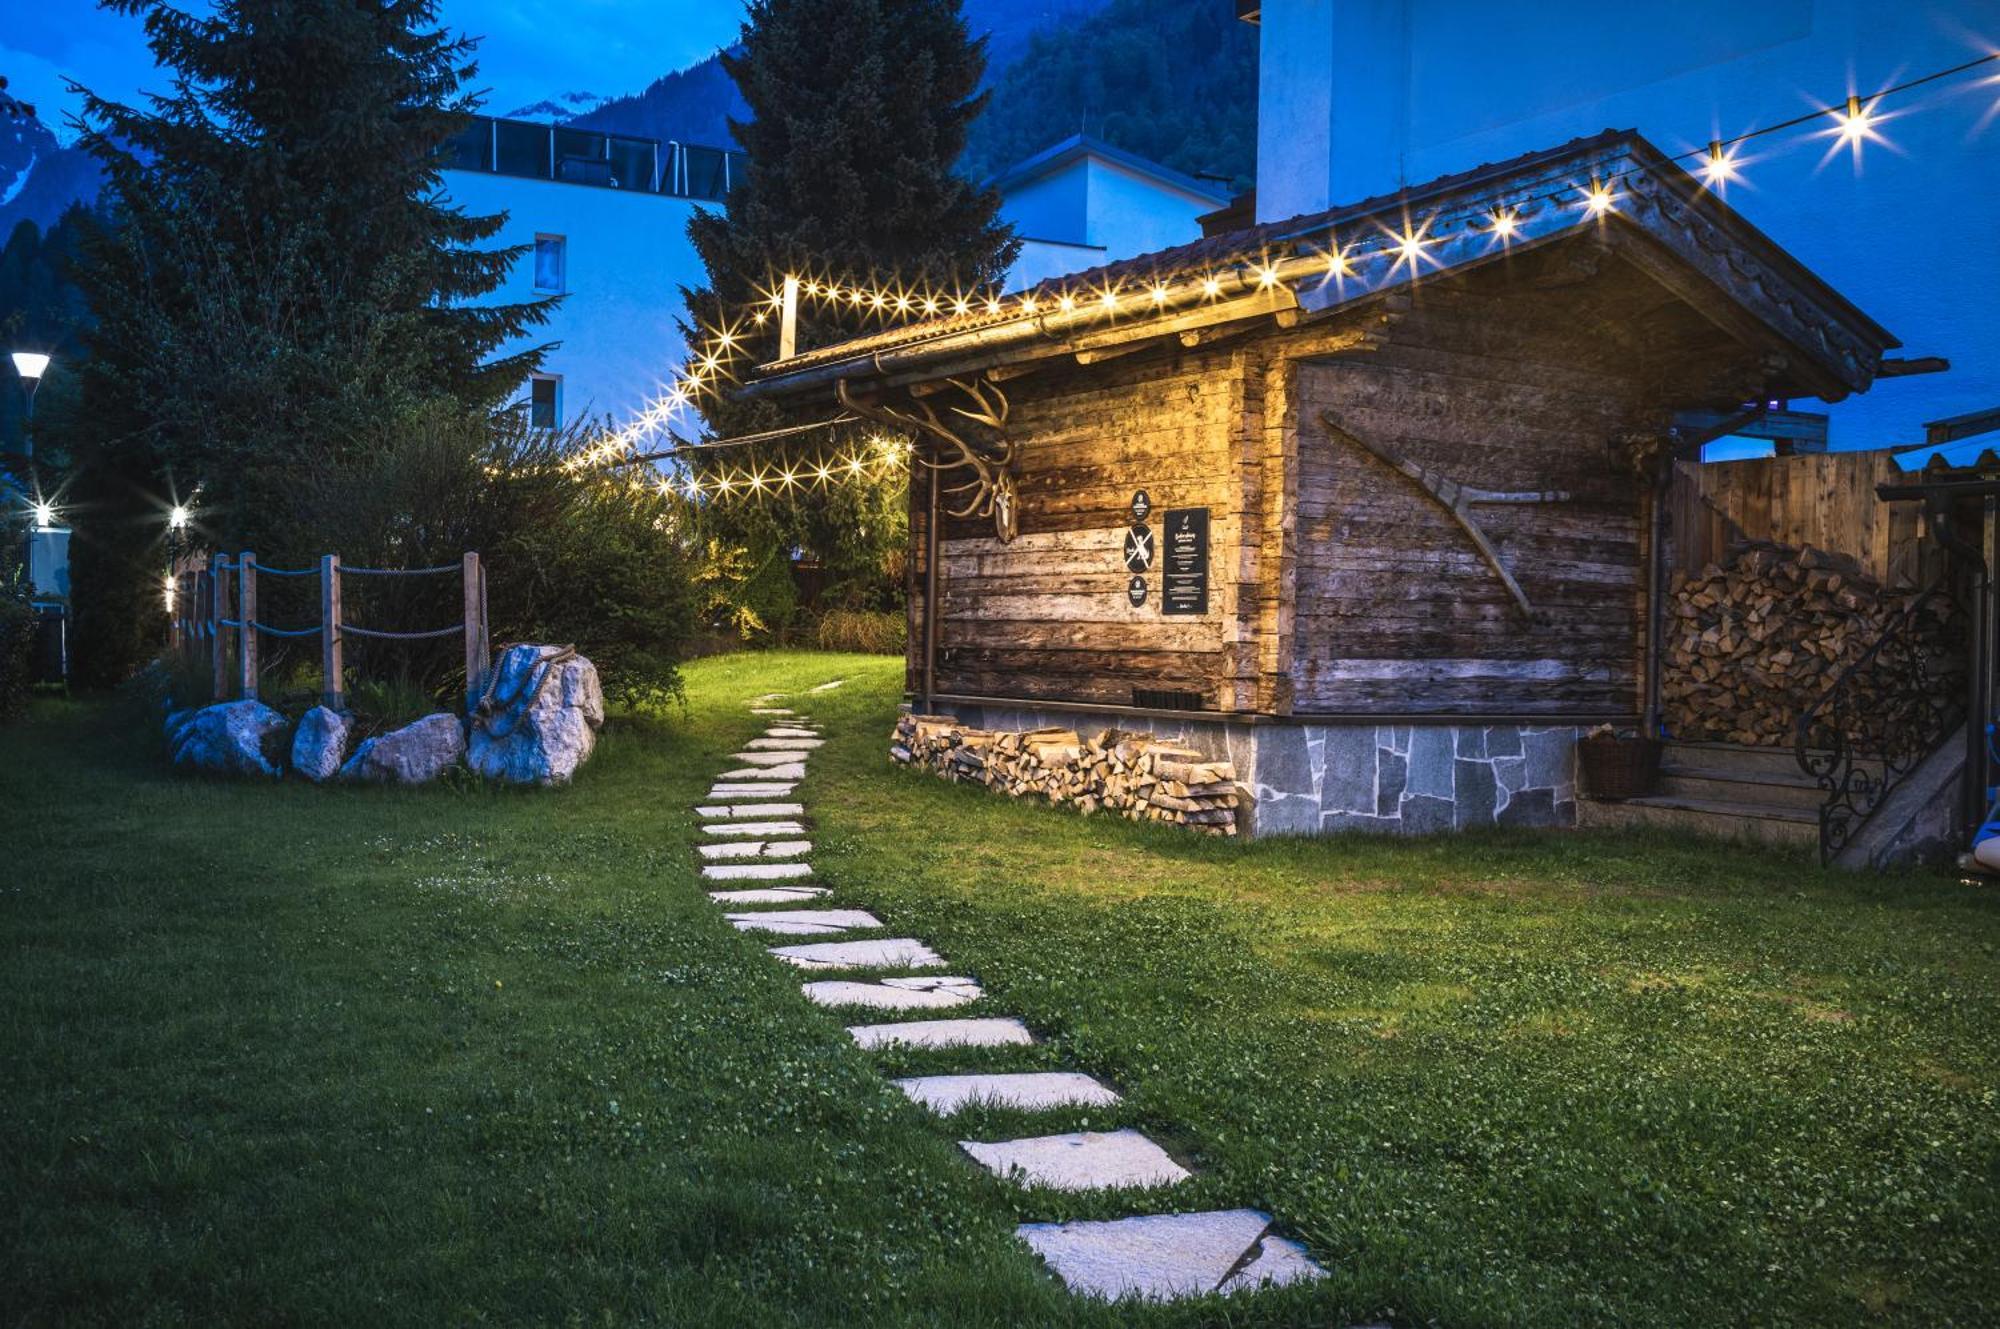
[{"x": 1313, "y": 778}]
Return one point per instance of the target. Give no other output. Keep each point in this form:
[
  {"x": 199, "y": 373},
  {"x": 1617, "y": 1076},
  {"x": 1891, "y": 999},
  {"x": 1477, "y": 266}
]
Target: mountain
[
  {"x": 560, "y": 110},
  {"x": 40, "y": 178},
  {"x": 696, "y": 104}
]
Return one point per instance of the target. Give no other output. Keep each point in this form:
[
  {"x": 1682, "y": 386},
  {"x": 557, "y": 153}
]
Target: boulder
[
  {"x": 229, "y": 738},
  {"x": 320, "y": 744},
  {"x": 415, "y": 754},
  {"x": 537, "y": 718}
]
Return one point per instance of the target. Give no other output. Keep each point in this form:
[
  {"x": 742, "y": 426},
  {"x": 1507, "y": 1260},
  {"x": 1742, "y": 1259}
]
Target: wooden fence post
[
  {"x": 476, "y": 645},
  {"x": 218, "y": 651},
  {"x": 330, "y": 653},
  {"x": 246, "y": 613}
]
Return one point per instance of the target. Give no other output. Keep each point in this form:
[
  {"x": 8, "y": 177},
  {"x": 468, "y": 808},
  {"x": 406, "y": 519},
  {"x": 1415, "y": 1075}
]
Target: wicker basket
[{"x": 1617, "y": 768}]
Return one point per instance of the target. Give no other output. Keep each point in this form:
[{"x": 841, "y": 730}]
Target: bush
[
  {"x": 861, "y": 630},
  {"x": 17, "y": 631}
]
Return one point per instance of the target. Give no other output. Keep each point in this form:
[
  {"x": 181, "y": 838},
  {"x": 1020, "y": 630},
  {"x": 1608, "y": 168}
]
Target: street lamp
[{"x": 30, "y": 365}]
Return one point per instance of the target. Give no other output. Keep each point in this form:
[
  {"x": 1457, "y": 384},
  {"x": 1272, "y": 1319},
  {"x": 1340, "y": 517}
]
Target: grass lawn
[{"x": 458, "y": 1055}]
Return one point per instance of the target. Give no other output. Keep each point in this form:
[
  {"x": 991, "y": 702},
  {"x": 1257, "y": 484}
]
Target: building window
[
  {"x": 551, "y": 258},
  {"x": 544, "y": 400}
]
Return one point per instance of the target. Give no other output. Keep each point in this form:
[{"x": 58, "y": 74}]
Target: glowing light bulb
[
  {"x": 1028, "y": 304},
  {"x": 758, "y": 318},
  {"x": 1337, "y": 264},
  {"x": 1410, "y": 248},
  {"x": 178, "y": 518},
  {"x": 1506, "y": 221},
  {"x": 1267, "y": 276},
  {"x": 856, "y": 296},
  {"x": 1108, "y": 299},
  {"x": 1159, "y": 293},
  {"x": 1719, "y": 167},
  {"x": 1211, "y": 286},
  {"x": 993, "y": 305},
  {"x": 960, "y": 306},
  {"x": 1067, "y": 303},
  {"x": 902, "y": 304},
  {"x": 1855, "y": 122},
  {"x": 45, "y": 514},
  {"x": 930, "y": 305},
  {"x": 880, "y": 300},
  {"x": 1599, "y": 199}
]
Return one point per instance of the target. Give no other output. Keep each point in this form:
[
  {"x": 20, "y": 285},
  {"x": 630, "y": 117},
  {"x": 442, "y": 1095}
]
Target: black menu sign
[{"x": 1184, "y": 550}]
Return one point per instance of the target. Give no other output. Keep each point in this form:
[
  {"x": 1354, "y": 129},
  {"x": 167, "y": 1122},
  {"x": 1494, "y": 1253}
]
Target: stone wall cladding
[{"x": 1314, "y": 779}]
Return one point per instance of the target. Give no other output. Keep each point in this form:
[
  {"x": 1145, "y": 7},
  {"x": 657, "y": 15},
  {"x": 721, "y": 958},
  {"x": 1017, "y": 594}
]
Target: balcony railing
[{"x": 584, "y": 157}]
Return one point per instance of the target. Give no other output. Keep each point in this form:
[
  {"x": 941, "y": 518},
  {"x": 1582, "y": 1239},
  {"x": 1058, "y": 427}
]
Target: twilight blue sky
[{"x": 533, "y": 49}]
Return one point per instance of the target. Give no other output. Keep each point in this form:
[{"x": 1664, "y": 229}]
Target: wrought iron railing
[{"x": 1880, "y": 718}]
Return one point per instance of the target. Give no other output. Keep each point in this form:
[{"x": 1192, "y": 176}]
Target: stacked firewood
[
  {"x": 1751, "y": 645},
  {"x": 1115, "y": 770}
]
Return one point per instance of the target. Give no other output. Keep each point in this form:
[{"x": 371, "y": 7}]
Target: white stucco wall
[
  {"x": 1091, "y": 211},
  {"x": 628, "y": 256},
  {"x": 1360, "y": 97}
]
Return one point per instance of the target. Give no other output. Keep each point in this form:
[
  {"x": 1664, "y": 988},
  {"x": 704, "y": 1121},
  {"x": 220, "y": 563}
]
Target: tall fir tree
[
  {"x": 284, "y": 273},
  {"x": 860, "y": 110}
]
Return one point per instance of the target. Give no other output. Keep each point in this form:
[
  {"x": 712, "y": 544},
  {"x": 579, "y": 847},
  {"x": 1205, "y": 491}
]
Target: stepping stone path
[{"x": 753, "y": 835}]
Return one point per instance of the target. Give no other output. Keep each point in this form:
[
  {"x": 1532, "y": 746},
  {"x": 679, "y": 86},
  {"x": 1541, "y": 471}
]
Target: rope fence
[{"x": 199, "y": 604}]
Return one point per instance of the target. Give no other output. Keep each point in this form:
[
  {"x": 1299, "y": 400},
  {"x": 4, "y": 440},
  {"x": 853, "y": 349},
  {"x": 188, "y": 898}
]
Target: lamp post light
[{"x": 30, "y": 365}]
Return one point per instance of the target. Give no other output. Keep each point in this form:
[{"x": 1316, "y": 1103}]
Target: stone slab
[
  {"x": 914, "y": 993},
  {"x": 827, "y": 687},
  {"x": 784, "y": 731},
  {"x": 996, "y": 1031},
  {"x": 770, "y": 895},
  {"x": 785, "y": 743},
  {"x": 1033, "y": 1090},
  {"x": 880, "y": 953},
  {"x": 738, "y": 789},
  {"x": 791, "y": 771},
  {"x": 1166, "y": 1256},
  {"x": 771, "y": 710},
  {"x": 782, "y": 757},
  {"x": 804, "y": 922},
  {"x": 755, "y": 849},
  {"x": 755, "y": 829},
  {"x": 755, "y": 871},
  {"x": 1089, "y": 1160},
  {"x": 751, "y": 810}
]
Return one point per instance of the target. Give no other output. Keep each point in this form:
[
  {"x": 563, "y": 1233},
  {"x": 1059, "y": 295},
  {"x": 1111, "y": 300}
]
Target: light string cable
[{"x": 1855, "y": 121}]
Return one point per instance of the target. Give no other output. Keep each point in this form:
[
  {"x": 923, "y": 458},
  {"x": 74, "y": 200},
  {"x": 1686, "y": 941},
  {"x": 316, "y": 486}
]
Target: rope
[
  {"x": 402, "y": 636},
  {"x": 263, "y": 569},
  {"x": 402, "y": 572},
  {"x": 286, "y": 632}
]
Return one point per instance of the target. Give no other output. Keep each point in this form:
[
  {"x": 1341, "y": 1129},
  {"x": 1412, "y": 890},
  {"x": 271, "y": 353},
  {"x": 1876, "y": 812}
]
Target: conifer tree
[
  {"x": 284, "y": 272},
  {"x": 860, "y": 110}
]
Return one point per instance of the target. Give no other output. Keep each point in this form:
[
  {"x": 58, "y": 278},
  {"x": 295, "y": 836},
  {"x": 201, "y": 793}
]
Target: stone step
[
  {"x": 756, "y": 871},
  {"x": 879, "y": 953},
  {"x": 771, "y": 710},
  {"x": 781, "y": 731},
  {"x": 750, "y": 810},
  {"x": 828, "y": 687},
  {"x": 1079, "y": 1162},
  {"x": 1031, "y": 1090},
  {"x": 735, "y": 849},
  {"x": 781, "y": 757},
  {"x": 791, "y": 771},
  {"x": 804, "y": 922},
  {"x": 993, "y": 1032},
  {"x": 1730, "y": 821},
  {"x": 1168, "y": 1256},
  {"x": 1771, "y": 790},
  {"x": 738, "y": 789},
  {"x": 771, "y": 895},
  {"x": 917, "y": 992},
  {"x": 783, "y": 744},
  {"x": 755, "y": 829}
]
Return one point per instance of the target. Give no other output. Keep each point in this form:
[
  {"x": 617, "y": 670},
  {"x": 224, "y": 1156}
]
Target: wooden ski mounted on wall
[{"x": 1457, "y": 499}]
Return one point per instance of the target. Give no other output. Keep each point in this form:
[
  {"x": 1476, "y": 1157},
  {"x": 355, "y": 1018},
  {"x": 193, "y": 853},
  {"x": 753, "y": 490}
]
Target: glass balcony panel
[{"x": 523, "y": 149}]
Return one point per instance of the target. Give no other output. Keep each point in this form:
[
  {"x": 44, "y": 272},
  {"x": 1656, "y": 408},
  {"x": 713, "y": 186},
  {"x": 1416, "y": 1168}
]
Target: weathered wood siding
[
  {"x": 1825, "y": 500},
  {"x": 1396, "y": 609},
  {"x": 1047, "y": 617}
]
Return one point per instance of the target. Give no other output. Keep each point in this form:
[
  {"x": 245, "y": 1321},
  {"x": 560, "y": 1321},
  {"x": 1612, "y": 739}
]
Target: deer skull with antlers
[{"x": 990, "y": 489}]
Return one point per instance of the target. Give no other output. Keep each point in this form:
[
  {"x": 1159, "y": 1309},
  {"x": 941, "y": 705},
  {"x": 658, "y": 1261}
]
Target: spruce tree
[
  {"x": 860, "y": 110},
  {"x": 284, "y": 273}
]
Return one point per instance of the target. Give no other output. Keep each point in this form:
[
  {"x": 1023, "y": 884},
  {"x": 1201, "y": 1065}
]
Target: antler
[{"x": 992, "y": 485}]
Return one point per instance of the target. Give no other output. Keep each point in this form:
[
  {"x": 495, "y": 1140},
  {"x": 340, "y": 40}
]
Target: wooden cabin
[{"x": 1365, "y": 500}]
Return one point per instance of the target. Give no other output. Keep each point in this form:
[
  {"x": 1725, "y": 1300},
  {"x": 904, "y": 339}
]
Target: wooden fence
[
  {"x": 200, "y": 589},
  {"x": 1825, "y": 500}
]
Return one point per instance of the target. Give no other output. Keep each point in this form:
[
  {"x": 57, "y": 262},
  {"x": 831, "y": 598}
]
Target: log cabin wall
[
  {"x": 1047, "y": 616},
  {"x": 1397, "y": 611}
]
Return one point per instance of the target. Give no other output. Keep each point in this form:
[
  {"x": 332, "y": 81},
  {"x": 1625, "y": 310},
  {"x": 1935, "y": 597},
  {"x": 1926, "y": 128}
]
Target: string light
[
  {"x": 1410, "y": 246},
  {"x": 1599, "y": 198},
  {"x": 1506, "y": 221},
  {"x": 1211, "y": 286}
]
